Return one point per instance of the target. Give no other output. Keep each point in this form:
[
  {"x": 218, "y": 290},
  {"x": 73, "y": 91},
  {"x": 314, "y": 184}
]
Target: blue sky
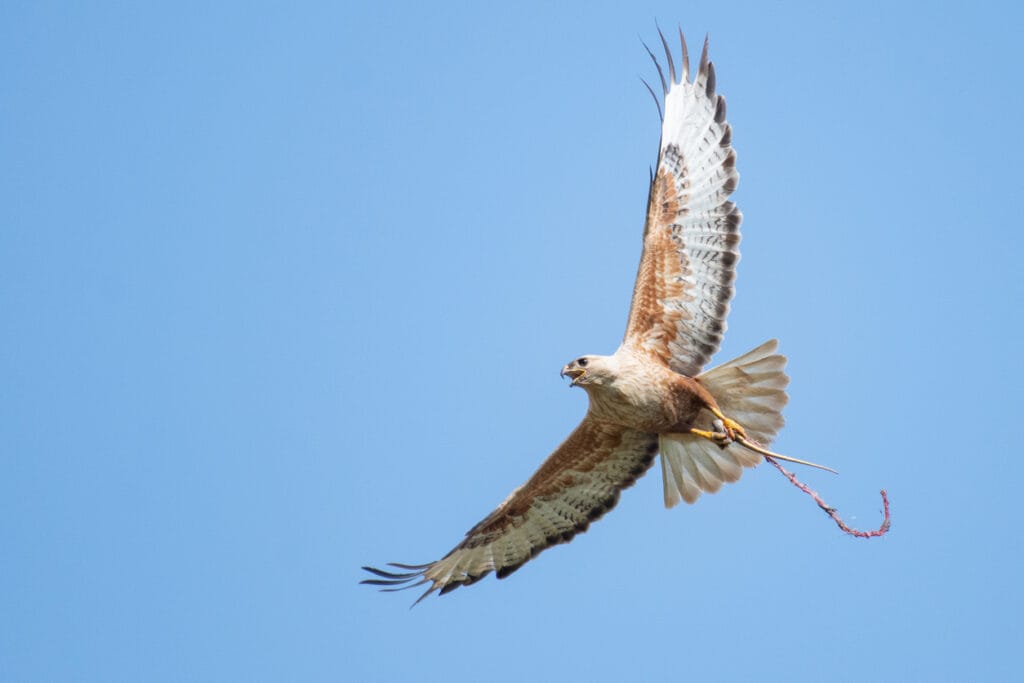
[{"x": 286, "y": 290}]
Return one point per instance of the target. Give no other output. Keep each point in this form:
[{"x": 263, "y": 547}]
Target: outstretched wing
[
  {"x": 576, "y": 485},
  {"x": 691, "y": 238}
]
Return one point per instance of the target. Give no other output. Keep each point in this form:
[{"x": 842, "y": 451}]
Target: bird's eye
[{"x": 582, "y": 362}]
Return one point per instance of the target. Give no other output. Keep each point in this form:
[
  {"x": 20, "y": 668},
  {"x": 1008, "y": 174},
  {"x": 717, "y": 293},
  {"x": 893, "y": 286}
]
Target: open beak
[{"x": 573, "y": 372}]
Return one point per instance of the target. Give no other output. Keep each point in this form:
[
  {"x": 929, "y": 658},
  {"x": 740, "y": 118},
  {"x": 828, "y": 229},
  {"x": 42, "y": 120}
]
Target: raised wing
[
  {"x": 576, "y": 485},
  {"x": 691, "y": 238}
]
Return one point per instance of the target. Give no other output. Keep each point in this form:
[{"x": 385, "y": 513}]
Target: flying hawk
[{"x": 650, "y": 396}]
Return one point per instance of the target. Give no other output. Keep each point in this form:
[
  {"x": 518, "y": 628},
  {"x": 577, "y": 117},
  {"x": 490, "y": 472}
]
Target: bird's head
[{"x": 588, "y": 370}]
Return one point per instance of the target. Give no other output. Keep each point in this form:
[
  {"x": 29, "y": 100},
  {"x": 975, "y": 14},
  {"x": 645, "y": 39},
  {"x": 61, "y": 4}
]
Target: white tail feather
[{"x": 749, "y": 389}]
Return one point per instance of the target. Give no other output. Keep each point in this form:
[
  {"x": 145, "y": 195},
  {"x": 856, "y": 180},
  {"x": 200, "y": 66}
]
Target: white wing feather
[{"x": 691, "y": 240}]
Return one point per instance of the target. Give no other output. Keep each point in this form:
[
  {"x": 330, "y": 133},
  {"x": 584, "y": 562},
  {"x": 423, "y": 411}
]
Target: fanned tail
[{"x": 749, "y": 389}]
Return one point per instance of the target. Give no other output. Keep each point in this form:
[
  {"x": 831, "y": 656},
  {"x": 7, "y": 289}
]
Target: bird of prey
[{"x": 651, "y": 395}]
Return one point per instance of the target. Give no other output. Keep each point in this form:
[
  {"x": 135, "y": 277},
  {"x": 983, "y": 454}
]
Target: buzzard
[{"x": 650, "y": 396}]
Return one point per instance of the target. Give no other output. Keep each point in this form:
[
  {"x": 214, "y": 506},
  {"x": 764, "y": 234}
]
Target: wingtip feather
[
  {"x": 685, "y": 57},
  {"x": 702, "y": 68},
  {"x": 668, "y": 55},
  {"x": 661, "y": 74}
]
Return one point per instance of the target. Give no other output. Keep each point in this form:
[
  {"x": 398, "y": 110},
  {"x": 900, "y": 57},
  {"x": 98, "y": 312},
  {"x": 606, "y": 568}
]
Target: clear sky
[{"x": 285, "y": 289}]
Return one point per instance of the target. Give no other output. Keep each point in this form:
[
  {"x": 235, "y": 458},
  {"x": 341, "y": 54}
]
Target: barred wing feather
[
  {"x": 575, "y": 486},
  {"x": 691, "y": 238}
]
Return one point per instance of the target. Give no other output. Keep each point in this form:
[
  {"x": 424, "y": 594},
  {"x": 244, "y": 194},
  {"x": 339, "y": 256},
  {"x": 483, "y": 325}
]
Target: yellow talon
[
  {"x": 720, "y": 438},
  {"x": 733, "y": 431},
  {"x": 731, "y": 426}
]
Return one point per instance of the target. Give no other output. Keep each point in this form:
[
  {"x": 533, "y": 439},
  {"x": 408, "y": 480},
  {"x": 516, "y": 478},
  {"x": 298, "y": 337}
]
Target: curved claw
[
  {"x": 733, "y": 429},
  {"x": 720, "y": 438}
]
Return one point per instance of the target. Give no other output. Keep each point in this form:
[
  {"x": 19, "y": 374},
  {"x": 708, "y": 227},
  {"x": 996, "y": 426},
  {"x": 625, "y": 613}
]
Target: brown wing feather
[
  {"x": 576, "y": 485},
  {"x": 691, "y": 236}
]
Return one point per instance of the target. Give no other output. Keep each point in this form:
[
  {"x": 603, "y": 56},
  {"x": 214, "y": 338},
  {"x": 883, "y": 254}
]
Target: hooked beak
[{"x": 573, "y": 372}]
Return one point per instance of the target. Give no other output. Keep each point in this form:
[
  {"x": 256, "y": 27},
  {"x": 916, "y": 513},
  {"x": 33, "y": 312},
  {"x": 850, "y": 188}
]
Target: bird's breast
[{"x": 645, "y": 401}]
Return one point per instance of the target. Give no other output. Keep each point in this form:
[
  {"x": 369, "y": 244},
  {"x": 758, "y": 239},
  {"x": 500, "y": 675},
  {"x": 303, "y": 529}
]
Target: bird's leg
[
  {"x": 727, "y": 431},
  {"x": 723, "y": 439},
  {"x": 720, "y": 438},
  {"x": 732, "y": 428}
]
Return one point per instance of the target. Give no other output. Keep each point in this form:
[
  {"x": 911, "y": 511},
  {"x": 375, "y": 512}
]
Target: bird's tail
[{"x": 751, "y": 390}]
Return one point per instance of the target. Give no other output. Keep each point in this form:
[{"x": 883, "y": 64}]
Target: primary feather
[{"x": 691, "y": 238}]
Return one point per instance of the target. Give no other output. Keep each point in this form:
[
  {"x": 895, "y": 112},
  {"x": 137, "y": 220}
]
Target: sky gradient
[{"x": 286, "y": 289}]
